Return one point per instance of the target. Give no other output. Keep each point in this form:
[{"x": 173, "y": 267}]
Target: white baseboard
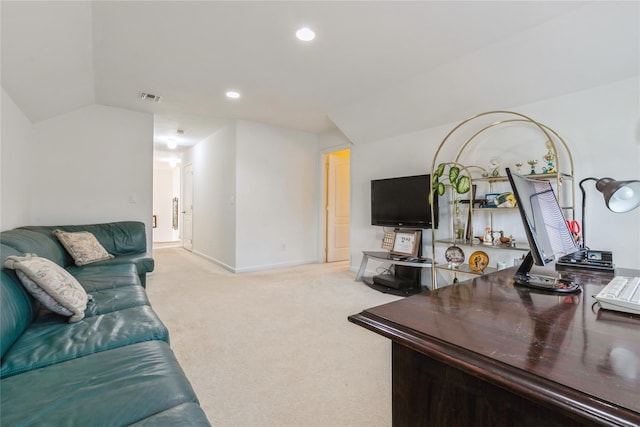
[
  {"x": 256, "y": 267},
  {"x": 275, "y": 266},
  {"x": 215, "y": 261}
]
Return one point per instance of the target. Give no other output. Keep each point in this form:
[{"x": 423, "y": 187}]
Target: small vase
[{"x": 458, "y": 223}]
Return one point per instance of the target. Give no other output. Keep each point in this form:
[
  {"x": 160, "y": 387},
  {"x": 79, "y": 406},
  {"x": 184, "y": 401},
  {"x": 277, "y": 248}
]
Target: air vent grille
[{"x": 150, "y": 97}]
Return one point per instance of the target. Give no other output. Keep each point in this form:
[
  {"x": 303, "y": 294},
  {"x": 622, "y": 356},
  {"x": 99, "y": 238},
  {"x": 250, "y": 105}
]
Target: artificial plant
[{"x": 461, "y": 183}]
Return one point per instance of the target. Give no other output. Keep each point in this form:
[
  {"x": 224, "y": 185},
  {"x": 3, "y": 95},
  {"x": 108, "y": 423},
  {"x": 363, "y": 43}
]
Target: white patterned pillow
[
  {"x": 83, "y": 246},
  {"x": 50, "y": 284}
]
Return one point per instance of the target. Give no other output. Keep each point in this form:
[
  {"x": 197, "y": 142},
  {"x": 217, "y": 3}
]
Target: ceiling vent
[{"x": 150, "y": 97}]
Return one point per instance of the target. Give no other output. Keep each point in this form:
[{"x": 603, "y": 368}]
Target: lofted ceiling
[{"x": 375, "y": 69}]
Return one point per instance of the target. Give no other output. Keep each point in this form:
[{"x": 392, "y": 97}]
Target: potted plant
[{"x": 460, "y": 183}]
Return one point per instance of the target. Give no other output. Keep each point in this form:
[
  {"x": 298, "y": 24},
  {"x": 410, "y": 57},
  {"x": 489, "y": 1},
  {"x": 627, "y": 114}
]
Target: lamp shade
[{"x": 620, "y": 196}]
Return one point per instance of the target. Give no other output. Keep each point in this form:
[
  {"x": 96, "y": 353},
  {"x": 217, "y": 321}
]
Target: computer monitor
[{"x": 547, "y": 232}]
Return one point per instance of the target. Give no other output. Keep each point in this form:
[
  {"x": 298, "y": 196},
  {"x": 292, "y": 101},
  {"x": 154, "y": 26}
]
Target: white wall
[
  {"x": 277, "y": 197},
  {"x": 16, "y": 177},
  {"x": 601, "y": 127},
  {"x": 214, "y": 194},
  {"x": 255, "y": 197},
  {"x": 91, "y": 165},
  {"x": 94, "y": 165}
]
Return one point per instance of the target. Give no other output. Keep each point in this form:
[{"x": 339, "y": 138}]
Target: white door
[
  {"x": 187, "y": 213},
  {"x": 338, "y": 204}
]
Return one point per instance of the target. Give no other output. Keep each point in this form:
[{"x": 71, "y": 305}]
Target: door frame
[{"x": 322, "y": 217}]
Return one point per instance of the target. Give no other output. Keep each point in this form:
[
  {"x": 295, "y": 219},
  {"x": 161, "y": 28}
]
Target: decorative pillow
[
  {"x": 50, "y": 284},
  {"x": 82, "y": 246}
]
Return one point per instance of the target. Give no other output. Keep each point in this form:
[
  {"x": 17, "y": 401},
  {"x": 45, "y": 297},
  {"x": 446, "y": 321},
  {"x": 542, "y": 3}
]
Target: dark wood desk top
[{"x": 556, "y": 350}]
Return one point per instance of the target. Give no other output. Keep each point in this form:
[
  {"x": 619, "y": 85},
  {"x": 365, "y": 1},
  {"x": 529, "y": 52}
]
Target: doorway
[
  {"x": 337, "y": 205},
  {"x": 166, "y": 193},
  {"x": 187, "y": 207}
]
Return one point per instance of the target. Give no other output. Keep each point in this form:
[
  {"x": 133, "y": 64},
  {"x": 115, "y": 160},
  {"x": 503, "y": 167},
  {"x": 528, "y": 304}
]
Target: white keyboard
[{"x": 621, "y": 294}]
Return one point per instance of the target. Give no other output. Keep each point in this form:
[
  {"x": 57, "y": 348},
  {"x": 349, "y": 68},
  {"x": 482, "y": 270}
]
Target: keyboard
[{"x": 621, "y": 294}]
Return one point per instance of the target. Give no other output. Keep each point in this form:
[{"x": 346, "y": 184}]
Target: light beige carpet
[{"x": 274, "y": 348}]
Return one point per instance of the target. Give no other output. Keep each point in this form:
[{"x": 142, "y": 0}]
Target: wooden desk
[{"x": 485, "y": 353}]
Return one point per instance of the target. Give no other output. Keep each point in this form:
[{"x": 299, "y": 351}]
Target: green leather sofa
[{"x": 112, "y": 368}]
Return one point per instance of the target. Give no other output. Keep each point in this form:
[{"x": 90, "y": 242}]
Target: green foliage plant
[{"x": 460, "y": 182}]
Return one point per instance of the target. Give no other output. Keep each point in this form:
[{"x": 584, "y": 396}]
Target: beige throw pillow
[
  {"x": 83, "y": 246},
  {"x": 50, "y": 284}
]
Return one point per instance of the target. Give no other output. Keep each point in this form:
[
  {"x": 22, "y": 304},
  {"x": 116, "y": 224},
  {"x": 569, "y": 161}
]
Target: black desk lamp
[{"x": 619, "y": 196}]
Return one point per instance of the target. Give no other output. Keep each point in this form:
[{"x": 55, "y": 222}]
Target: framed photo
[
  {"x": 406, "y": 243},
  {"x": 388, "y": 240},
  {"x": 490, "y": 200}
]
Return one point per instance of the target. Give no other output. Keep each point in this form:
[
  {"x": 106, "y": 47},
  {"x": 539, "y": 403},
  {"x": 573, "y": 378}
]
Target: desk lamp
[{"x": 619, "y": 196}]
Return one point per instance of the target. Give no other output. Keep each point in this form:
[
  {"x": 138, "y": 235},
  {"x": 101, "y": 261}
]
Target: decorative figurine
[
  {"x": 533, "y": 164},
  {"x": 518, "y": 167},
  {"x": 488, "y": 237},
  {"x": 494, "y": 164},
  {"x": 504, "y": 240},
  {"x": 549, "y": 158}
]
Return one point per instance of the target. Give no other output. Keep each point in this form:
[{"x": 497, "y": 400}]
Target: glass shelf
[
  {"x": 465, "y": 269},
  {"x": 502, "y": 178},
  {"x": 494, "y": 209},
  {"x": 468, "y": 243}
]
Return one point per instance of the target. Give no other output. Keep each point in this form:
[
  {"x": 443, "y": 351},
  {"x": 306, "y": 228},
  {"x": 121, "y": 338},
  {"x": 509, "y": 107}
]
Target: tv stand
[{"x": 419, "y": 262}]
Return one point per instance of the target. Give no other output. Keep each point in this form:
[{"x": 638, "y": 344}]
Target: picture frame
[
  {"x": 406, "y": 243},
  {"x": 490, "y": 200},
  {"x": 174, "y": 208}
]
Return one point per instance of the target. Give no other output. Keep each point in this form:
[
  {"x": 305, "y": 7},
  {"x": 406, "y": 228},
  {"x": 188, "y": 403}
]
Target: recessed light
[
  {"x": 233, "y": 94},
  {"x": 172, "y": 144},
  {"x": 305, "y": 34}
]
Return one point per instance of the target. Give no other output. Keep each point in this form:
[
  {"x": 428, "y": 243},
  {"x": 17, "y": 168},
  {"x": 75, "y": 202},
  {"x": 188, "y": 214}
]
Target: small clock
[{"x": 478, "y": 261}]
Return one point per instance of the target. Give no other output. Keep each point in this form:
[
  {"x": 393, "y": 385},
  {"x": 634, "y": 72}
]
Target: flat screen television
[
  {"x": 403, "y": 202},
  {"x": 547, "y": 232}
]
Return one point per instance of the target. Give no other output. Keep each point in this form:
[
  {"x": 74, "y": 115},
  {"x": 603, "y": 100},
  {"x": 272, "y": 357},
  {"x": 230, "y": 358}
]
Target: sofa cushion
[
  {"x": 17, "y": 309},
  {"x": 118, "y": 238},
  {"x": 113, "y": 388},
  {"x": 50, "y": 284},
  {"x": 94, "y": 277},
  {"x": 50, "y": 340},
  {"x": 129, "y": 237},
  {"x": 143, "y": 264},
  {"x": 83, "y": 246},
  {"x": 30, "y": 241},
  {"x": 114, "y": 299},
  {"x": 185, "y": 415}
]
